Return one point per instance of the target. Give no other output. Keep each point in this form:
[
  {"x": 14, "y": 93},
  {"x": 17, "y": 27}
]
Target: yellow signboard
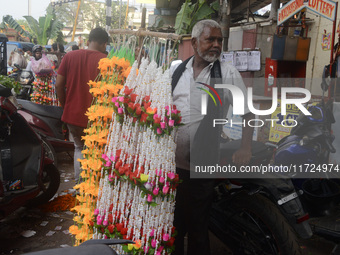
[{"x": 281, "y": 127}]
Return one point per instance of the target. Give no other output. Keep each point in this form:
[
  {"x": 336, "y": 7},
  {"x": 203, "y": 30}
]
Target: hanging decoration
[
  {"x": 136, "y": 196},
  {"x": 44, "y": 91},
  {"x": 129, "y": 164},
  {"x": 113, "y": 73}
]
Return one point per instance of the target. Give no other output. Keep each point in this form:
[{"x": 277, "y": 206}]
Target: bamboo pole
[{"x": 138, "y": 33}]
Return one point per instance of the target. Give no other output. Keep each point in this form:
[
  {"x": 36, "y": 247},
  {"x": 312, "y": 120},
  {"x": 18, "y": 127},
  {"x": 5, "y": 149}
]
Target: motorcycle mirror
[{"x": 326, "y": 78}]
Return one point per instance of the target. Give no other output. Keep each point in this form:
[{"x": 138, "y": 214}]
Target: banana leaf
[{"x": 183, "y": 18}]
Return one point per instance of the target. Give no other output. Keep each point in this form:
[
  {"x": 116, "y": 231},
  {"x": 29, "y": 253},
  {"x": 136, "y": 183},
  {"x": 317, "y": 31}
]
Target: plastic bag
[
  {"x": 42, "y": 65},
  {"x": 17, "y": 59}
]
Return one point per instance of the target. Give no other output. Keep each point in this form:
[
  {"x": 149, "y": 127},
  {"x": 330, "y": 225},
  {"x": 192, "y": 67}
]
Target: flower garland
[
  {"x": 44, "y": 91},
  {"x": 113, "y": 73},
  {"x": 139, "y": 180}
]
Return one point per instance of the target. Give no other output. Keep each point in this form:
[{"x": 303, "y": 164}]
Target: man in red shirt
[{"x": 76, "y": 70}]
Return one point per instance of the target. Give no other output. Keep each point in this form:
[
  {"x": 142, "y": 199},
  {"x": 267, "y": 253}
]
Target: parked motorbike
[
  {"x": 28, "y": 176},
  {"x": 46, "y": 120},
  {"x": 268, "y": 216},
  {"x": 258, "y": 216},
  {"x": 26, "y": 79},
  {"x": 309, "y": 145}
]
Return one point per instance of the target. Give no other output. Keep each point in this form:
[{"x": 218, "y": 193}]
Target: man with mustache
[{"x": 194, "y": 196}]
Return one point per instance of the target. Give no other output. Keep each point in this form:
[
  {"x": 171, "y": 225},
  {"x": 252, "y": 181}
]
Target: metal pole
[
  {"x": 29, "y": 7},
  {"x": 120, "y": 14},
  {"x": 108, "y": 14},
  {"x": 75, "y": 21}
]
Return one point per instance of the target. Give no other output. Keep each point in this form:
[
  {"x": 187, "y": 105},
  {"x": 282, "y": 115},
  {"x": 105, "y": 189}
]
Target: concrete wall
[{"x": 318, "y": 57}]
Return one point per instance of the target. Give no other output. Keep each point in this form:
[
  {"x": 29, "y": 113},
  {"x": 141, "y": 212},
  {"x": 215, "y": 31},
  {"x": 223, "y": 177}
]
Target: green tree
[
  {"x": 92, "y": 14},
  {"x": 46, "y": 28},
  {"x": 40, "y": 31}
]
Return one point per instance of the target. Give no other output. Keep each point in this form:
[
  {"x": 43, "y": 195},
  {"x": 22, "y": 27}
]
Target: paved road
[{"x": 51, "y": 229}]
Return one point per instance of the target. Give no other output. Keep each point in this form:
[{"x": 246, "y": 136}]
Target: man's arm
[
  {"x": 243, "y": 155},
  {"x": 60, "y": 88}
]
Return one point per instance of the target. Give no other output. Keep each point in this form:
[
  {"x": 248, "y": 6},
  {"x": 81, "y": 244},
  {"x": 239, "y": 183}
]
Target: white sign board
[
  {"x": 289, "y": 9},
  {"x": 254, "y": 60},
  {"x": 325, "y": 8},
  {"x": 241, "y": 60}
]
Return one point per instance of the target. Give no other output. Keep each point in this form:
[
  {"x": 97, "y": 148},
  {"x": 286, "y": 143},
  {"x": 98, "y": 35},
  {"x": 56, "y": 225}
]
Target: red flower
[
  {"x": 170, "y": 242},
  {"x": 131, "y": 105},
  {"x": 119, "y": 226},
  {"x": 157, "y": 120},
  {"x": 110, "y": 217},
  {"x": 127, "y": 91},
  {"x": 133, "y": 97},
  {"x": 118, "y": 164},
  {"x": 124, "y": 231},
  {"x": 121, "y": 170},
  {"x": 111, "y": 228},
  {"x": 126, "y": 100},
  {"x": 138, "y": 109},
  {"x": 146, "y": 105},
  {"x": 143, "y": 118},
  {"x": 147, "y": 98}
]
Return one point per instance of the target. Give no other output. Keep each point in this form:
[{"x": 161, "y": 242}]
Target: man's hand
[{"x": 241, "y": 157}]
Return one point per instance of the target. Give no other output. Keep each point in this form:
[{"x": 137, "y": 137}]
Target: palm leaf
[
  {"x": 13, "y": 24},
  {"x": 34, "y": 26}
]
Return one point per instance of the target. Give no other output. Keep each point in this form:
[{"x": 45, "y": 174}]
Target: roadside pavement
[{"x": 29, "y": 230}]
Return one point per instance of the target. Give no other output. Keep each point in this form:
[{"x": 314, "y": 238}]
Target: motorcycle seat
[
  {"x": 229, "y": 148},
  {"x": 54, "y": 112}
]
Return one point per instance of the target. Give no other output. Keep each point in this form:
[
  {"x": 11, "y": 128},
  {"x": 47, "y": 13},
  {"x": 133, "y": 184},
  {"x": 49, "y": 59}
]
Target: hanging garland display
[
  {"x": 44, "y": 89},
  {"x": 136, "y": 196},
  {"x": 113, "y": 73},
  {"x": 129, "y": 167}
]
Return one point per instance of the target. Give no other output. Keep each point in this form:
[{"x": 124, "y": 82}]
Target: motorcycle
[
  {"x": 309, "y": 146},
  {"x": 46, "y": 120},
  {"x": 28, "y": 176},
  {"x": 26, "y": 79},
  {"x": 258, "y": 216},
  {"x": 268, "y": 216}
]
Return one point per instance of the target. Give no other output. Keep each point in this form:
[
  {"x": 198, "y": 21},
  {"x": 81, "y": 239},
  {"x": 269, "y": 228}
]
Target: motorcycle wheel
[
  {"x": 252, "y": 224},
  {"x": 51, "y": 182},
  {"x": 49, "y": 151}
]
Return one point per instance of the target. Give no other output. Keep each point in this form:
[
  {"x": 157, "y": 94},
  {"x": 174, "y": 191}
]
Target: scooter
[
  {"x": 46, "y": 120},
  {"x": 26, "y": 79},
  {"x": 28, "y": 176}
]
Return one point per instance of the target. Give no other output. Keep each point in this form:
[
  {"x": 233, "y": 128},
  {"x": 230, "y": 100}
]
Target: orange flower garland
[{"x": 113, "y": 73}]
